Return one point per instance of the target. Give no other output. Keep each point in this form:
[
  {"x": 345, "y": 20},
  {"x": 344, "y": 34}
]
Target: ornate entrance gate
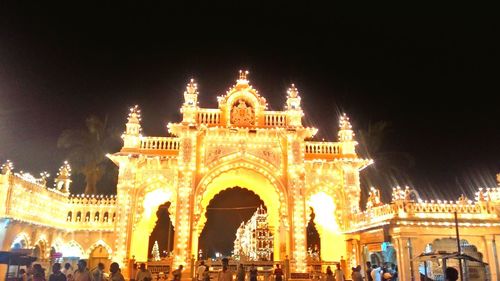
[{"x": 240, "y": 143}]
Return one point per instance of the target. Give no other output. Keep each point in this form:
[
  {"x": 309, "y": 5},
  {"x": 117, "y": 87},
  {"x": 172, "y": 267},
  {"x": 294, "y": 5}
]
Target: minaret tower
[
  {"x": 63, "y": 179},
  {"x": 190, "y": 106},
  {"x": 346, "y": 136},
  {"x": 294, "y": 111},
  {"x": 132, "y": 136}
]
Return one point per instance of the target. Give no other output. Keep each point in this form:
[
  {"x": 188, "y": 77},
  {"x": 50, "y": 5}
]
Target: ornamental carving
[{"x": 242, "y": 114}]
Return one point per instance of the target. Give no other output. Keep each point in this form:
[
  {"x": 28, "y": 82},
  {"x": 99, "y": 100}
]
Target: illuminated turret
[
  {"x": 43, "y": 178},
  {"x": 132, "y": 136},
  {"x": 7, "y": 168},
  {"x": 63, "y": 178},
  {"x": 190, "y": 106},
  {"x": 346, "y": 136},
  {"x": 294, "y": 111}
]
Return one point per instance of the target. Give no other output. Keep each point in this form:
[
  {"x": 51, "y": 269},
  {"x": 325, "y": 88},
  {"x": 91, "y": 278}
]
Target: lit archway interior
[
  {"x": 332, "y": 241},
  {"x": 163, "y": 232},
  {"x": 226, "y": 211},
  {"x": 249, "y": 179},
  {"x": 147, "y": 221}
]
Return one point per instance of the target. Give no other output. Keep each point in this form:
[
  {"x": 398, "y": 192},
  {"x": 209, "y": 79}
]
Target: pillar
[
  {"x": 408, "y": 270},
  {"x": 492, "y": 256},
  {"x": 299, "y": 228}
]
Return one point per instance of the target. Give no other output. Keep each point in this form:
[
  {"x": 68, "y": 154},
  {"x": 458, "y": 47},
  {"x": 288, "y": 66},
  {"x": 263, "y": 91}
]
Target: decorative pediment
[{"x": 242, "y": 103}]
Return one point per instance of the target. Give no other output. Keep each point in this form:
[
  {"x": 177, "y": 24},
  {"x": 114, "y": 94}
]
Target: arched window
[
  {"x": 114, "y": 217},
  {"x": 70, "y": 216},
  {"x": 105, "y": 218},
  {"x": 87, "y": 216},
  {"x": 96, "y": 216},
  {"x": 79, "y": 216}
]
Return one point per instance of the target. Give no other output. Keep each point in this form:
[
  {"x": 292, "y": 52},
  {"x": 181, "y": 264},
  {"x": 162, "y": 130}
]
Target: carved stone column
[{"x": 492, "y": 255}]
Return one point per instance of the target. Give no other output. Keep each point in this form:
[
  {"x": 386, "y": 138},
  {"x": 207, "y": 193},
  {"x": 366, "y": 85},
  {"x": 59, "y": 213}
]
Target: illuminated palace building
[
  {"x": 254, "y": 240},
  {"x": 242, "y": 144}
]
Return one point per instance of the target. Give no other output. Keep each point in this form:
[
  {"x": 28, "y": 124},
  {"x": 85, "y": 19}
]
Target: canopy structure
[
  {"x": 446, "y": 256},
  {"x": 16, "y": 258}
]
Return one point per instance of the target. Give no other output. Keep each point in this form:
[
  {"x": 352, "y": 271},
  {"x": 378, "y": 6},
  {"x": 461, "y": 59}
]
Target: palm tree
[
  {"x": 390, "y": 167},
  {"x": 87, "y": 150}
]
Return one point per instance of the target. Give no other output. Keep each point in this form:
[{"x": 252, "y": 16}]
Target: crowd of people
[
  {"x": 387, "y": 272},
  {"x": 67, "y": 273}
]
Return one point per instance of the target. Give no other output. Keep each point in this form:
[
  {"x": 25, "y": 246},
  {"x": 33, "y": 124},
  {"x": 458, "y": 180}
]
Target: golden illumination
[{"x": 239, "y": 143}]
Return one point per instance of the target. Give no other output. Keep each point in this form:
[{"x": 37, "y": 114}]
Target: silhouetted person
[
  {"x": 278, "y": 273},
  {"x": 82, "y": 273},
  {"x": 339, "y": 274},
  {"x": 356, "y": 274},
  {"x": 68, "y": 271},
  {"x": 369, "y": 271},
  {"x": 116, "y": 274},
  {"x": 253, "y": 273},
  {"x": 329, "y": 274},
  {"x": 38, "y": 273},
  {"x": 225, "y": 274},
  {"x": 177, "y": 273},
  {"x": 98, "y": 272},
  {"x": 241, "y": 273},
  {"x": 57, "y": 275},
  {"x": 143, "y": 274}
]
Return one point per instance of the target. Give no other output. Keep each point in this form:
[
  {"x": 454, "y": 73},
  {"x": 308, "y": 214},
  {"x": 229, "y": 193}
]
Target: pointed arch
[
  {"x": 98, "y": 243},
  {"x": 18, "y": 241},
  {"x": 73, "y": 249}
]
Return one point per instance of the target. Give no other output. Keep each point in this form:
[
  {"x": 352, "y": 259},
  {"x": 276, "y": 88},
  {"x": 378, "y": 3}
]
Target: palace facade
[
  {"x": 240, "y": 143},
  {"x": 254, "y": 240}
]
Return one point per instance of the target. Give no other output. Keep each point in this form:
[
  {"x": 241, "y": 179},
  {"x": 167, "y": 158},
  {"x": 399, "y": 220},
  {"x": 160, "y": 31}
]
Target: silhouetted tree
[{"x": 87, "y": 150}]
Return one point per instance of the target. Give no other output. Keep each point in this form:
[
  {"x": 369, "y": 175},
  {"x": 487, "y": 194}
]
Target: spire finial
[
  {"x": 344, "y": 122},
  {"x": 191, "y": 87},
  {"x": 7, "y": 167},
  {"x": 243, "y": 75},
  {"x": 135, "y": 114},
  {"x": 292, "y": 91}
]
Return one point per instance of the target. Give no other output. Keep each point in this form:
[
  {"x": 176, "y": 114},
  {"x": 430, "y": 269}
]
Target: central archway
[{"x": 251, "y": 176}]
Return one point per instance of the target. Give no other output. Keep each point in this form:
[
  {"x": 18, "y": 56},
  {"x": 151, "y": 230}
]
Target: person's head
[
  {"x": 114, "y": 267},
  {"x": 22, "y": 271},
  {"x": 368, "y": 264},
  {"x": 181, "y": 267},
  {"x": 338, "y": 265},
  {"x": 202, "y": 263},
  {"x": 56, "y": 267},
  {"x": 450, "y": 274},
  {"x": 100, "y": 266},
  {"x": 278, "y": 265},
  {"x": 206, "y": 268},
  {"x": 358, "y": 268},
  {"x": 82, "y": 264},
  {"x": 387, "y": 276},
  {"x": 67, "y": 265},
  {"x": 143, "y": 267},
  {"x": 225, "y": 261},
  {"x": 374, "y": 266},
  {"x": 328, "y": 270}
]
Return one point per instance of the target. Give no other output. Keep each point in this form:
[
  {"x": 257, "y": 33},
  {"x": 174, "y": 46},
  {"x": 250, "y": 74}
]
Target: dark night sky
[{"x": 431, "y": 75}]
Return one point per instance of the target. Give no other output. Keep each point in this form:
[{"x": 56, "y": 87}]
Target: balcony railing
[
  {"x": 209, "y": 116},
  {"x": 322, "y": 150},
  {"x": 275, "y": 118},
  {"x": 159, "y": 143}
]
